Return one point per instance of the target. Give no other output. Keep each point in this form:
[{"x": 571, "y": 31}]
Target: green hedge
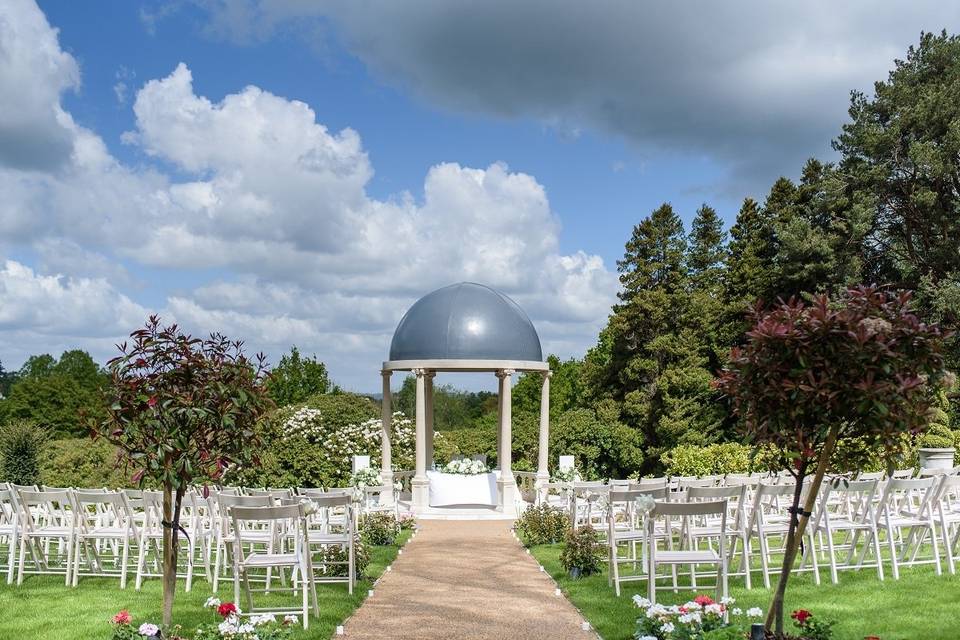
[
  {"x": 714, "y": 459},
  {"x": 81, "y": 462}
]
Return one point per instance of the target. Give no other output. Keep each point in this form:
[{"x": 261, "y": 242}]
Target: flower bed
[
  {"x": 700, "y": 619},
  {"x": 466, "y": 467}
]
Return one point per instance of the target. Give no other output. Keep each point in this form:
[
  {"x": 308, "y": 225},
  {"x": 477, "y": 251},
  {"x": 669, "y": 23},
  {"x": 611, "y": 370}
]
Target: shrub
[
  {"x": 378, "y": 529},
  {"x": 714, "y": 459},
  {"x": 81, "y": 462},
  {"x": 938, "y": 434},
  {"x": 332, "y": 561},
  {"x": 313, "y": 444},
  {"x": 601, "y": 448},
  {"x": 583, "y": 552},
  {"x": 542, "y": 524},
  {"x": 20, "y": 445}
]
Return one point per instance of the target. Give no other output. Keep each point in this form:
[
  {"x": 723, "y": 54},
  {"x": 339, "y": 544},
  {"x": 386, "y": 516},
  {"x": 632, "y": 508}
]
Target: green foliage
[
  {"x": 333, "y": 560},
  {"x": 57, "y": 395},
  {"x": 583, "y": 552},
  {"x": 542, "y": 524},
  {"x": 378, "y": 528},
  {"x": 714, "y": 459},
  {"x": 81, "y": 462},
  {"x": 295, "y": 379},
  {"x": 602, "y": 449},
  {"x": 566, "y": 388},
  {"x": 938, "y": 434},
  {"x": 20, "y": 445},
  {"x": 313, "y": 444},
  {"x": 452, "y": 408}
]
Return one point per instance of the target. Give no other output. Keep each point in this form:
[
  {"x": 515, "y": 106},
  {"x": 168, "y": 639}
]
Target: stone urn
[{"x": 931, "y": 458}]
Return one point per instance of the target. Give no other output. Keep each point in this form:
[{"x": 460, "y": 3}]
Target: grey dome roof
[{"x": 465, "y": 321}]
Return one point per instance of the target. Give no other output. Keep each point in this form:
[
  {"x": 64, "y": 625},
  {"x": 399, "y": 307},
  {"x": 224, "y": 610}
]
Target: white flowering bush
[
  {"x": 313, "y": 444},
  {"x": 466, "y": 467},
  {"x": 565, "y": 475},
  {"x": 369, "y": 477},
  {"x": 698, "y": 619}
]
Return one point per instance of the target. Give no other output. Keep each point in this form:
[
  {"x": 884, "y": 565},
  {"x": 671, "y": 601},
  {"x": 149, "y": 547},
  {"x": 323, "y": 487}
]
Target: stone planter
[
  {"x": 936, "y": 458},
  {"x": 574, "y": 573}
]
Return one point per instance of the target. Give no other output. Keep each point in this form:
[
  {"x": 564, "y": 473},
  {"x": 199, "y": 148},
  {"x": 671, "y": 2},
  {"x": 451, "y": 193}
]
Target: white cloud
[{"x": 275, "y": 206}]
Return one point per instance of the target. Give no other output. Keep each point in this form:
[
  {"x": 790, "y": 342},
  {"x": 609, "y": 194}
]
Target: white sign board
[
  {"x": 361, "y": 462},
  {"x": 566, "y": 463}
]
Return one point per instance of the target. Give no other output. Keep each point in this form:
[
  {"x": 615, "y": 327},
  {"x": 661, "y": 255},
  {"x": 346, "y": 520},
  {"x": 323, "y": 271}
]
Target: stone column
[
  {"x": 543, "y": 451},
  {"x": 429, "y": 418},
  {"x": 420, "y": 486},
  {"x": 506, "y": 485},
  {"x": 386, "y": 420},
  {"x": 499, "y": 416}
]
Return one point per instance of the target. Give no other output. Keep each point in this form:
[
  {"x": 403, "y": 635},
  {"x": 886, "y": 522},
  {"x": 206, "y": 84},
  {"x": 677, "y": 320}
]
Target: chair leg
[
  {"x": 23, "y": 553},
  {"x": 123, "y": 563}
]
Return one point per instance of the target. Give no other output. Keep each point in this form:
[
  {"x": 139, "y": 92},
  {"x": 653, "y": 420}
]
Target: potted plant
[
  {"x": 938, "y": 444},
  {"x": 582, "y": 553}
]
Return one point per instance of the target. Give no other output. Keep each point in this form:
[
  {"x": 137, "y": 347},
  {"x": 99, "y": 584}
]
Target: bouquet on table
[{"x": 466, "y": 467}]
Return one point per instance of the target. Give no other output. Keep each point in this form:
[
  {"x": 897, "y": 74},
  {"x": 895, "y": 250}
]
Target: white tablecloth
[{"x": 451, "y": 488}]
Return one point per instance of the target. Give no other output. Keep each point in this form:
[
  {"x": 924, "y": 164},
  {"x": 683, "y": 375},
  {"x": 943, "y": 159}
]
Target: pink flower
[
  {"x": 122, "y": 618},
  {"x": 703, "y": 600}
]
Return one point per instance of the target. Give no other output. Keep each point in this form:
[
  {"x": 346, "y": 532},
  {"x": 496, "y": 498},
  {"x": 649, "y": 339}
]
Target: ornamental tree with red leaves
[
  {"x": 861, "y": 366},
  {"x": 181, "y": 410}
]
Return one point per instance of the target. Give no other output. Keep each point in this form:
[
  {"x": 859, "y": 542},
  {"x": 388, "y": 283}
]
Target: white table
[{"x": 452, "y": 488}]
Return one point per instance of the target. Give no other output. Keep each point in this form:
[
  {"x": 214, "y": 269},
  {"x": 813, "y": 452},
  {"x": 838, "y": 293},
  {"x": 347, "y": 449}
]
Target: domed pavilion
[{"x": 465, "y": 327}]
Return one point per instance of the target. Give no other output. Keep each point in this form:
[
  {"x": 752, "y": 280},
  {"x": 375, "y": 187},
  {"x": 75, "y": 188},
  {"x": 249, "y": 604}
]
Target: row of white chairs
[
  {"x": 263, "y": 537},
  {"x": 915, "y": 519}
]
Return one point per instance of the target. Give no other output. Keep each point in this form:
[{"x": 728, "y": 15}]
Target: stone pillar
[
  {"x": 499, "y": 416},
  {"x": 386, "y": 420},
  {"x": 420, "y": 486},
  {"x": 506, "y": 485},
  {"x": 429, "y": 418},
  {"x": 543, "y": 451}
]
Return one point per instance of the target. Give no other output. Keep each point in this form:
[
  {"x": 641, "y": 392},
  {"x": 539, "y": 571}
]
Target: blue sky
[{"x": 299, "y": 173}]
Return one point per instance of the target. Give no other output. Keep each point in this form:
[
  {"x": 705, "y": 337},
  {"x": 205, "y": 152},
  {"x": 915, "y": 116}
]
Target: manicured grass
[
  {"x": 44, "y": 609},
  {"x": 917, "y": 607}
]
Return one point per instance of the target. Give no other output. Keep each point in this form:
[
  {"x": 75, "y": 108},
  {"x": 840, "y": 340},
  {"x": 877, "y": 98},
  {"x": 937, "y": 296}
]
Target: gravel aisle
[{"x": 465, "y": 579}]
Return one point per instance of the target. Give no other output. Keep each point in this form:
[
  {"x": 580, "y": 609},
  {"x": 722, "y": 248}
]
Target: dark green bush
[
  {"x": 378, "y": 529},
  {"x": 603, "y": 449},
  {"x": 543, "y": 524},
  {"x": 21, "y": 442},
  {"x": 583, "y": 552}
]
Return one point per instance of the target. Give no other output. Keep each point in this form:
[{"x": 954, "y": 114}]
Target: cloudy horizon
[{"x": 289, "y": 175}]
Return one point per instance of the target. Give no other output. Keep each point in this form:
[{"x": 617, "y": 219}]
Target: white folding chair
[
  {"x": 151, "y": 539},
  {"x": 329, "y": 534},
  {"x": 587, "y": 504},
  {"x": 907, "y": 504},
  {"x": 105, "y": 529},
  {"x": 769, "y": 521},
  {"x": 48, "y": 521},
  {"x": 947, "y": 500},
  {"x": 846, "y": 507},
  {"x": 9, "y": 530},
  {"x": 227, "y": 537},
  {"x": 706, "y": 529},
  {"x": 289, "y": 549},
  {"x": 690, "y": 557},
  {"x": 625, "y": 526}
]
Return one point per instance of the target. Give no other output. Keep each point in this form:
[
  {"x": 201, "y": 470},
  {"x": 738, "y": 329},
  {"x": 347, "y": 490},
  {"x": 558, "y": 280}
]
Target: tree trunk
[
  {"x": 171, "y": 524},
  {"x": 798, "y": 524}
]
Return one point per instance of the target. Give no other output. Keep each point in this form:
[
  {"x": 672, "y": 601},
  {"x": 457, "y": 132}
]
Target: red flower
[
  {"x": 871, "y": 638},
  {"x": 122, "y": 618},
  {"x": 801, "y": 615},
  {"x": 226, "y": 609},
  {"x": 703, "y": 600},
  {"x": 152, "y": 402}
]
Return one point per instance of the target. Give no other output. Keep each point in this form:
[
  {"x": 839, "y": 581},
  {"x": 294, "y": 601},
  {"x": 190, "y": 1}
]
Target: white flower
[
  {"x": 727, "y": 600},
  {"x": 290, "y": 619},
  {"x": 246, "y": 627},
  {"x": 737, "y": 611},
  {"x": 212, "y": 602},
  {"x": 641, "y": 602},
  {"x": 227, "y": 627},
  {"x": 754, "y": 612},
  {"x": 667, "y": 627},
  {"x": 648, "y": 638},
  {"x": 148, "y": 629},
  {"x": 644, "y": 503},
  {"x": 263, "y": 618},
  {"x": 715, "y": 609},
  {"x": 687, "y": 618},
  {"x": 692, "y": 606}
]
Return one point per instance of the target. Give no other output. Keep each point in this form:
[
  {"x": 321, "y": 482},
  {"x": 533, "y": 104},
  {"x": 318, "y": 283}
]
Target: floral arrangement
[
  {"x": 466, "y": 467},
  {"x": 264, "y": 626},
  {"x": 698, "y": 619},
  {"x": 369, "y": 477},
  {"x": 565, "y": 475},
  {"x": 811, "y": 628}
]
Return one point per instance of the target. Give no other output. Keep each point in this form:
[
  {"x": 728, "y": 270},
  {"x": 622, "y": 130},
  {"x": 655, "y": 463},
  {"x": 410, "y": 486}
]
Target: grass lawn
[
  {"x": 44, "y": 609},
  {"x": 917, "y": 607}
]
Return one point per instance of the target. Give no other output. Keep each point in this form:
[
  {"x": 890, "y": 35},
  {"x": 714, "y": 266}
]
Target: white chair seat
[
  {"x": 686, "y": 557},
  {"x": 271, "y": 560}
]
